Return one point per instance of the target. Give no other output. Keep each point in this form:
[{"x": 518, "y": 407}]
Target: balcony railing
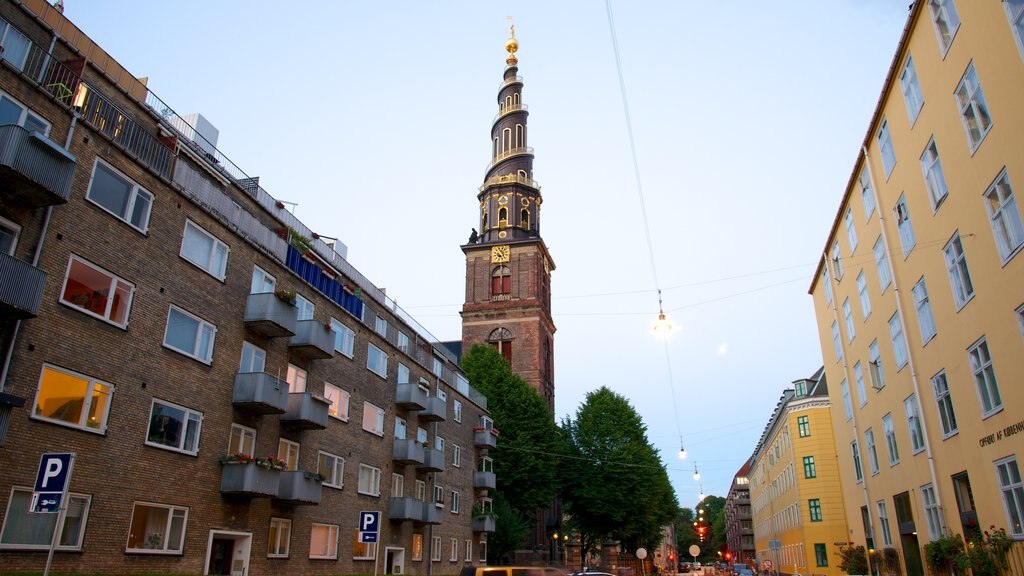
[
  {"x": 484, "y": 480},
  {"x": 411, "y": 397},
  {"x": 485, "y": 438},
  {"x": 484, "y": 524},
  {"x": 502, "y": 110},
  {"x": 270, "y": 316},
  {"x": 249, "y": 480},
  {"x": 433, "y": 461},
  {"x": 37, "y": 171},
  {"x": 510, "y": 179},
  {"x": 517, "y": 79},
  {"x": 431, "y": 513},
  {"x": 260, "y": 393},
  {"x": 300, "y": 487},
  {"x": 306, "y": 411},
  {"x": 436, "y": 410},
  {"x": 405, "y": 508},
  {"x": 312, "y": 340},
  {"x": 407, "y": 451},
  {"x": 21, "y": 287},
  {"x": 508, "y": 153}
]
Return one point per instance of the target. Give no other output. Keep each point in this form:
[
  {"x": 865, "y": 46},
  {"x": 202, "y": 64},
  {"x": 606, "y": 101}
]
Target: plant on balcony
[
  {"x": 269, "y": 462},
  {"x": 286, "y": 296},
  {"x": 481, "y": 512},
  {"x": 299, "y": 242},
  {"x": 494, "y": 431},
  {"x": 314, "y": 476}
]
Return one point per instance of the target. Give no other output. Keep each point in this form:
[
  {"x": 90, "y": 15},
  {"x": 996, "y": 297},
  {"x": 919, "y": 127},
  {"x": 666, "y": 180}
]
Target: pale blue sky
[{"x": 374, "y": 117}]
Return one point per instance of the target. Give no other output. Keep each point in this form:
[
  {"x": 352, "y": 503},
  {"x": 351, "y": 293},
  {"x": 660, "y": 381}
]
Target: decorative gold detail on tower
[{"x": 511, "y": 45}]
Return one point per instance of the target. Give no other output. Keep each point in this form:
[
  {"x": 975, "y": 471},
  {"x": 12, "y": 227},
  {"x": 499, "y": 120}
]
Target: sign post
[
  {"x": 369, "y": 528},
  {"x": 694, "y": 551},
  {"x": 50, "y": 494}
]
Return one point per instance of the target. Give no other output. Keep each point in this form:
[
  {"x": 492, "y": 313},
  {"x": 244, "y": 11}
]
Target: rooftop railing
[
  {"x": 502, "y": 110},
  {"x": 507, "y": 153},
  {"x": 510, "y": 179}
]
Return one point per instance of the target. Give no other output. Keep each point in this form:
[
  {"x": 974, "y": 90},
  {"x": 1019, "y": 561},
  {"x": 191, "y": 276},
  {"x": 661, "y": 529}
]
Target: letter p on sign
[
  {"x": 368, "y": 521},
  {"x": 53, "y": 472}
]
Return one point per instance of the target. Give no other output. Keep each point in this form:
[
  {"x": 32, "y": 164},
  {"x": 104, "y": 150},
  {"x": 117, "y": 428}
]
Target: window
[
  {"x": 288, "y": 452},
  {"x": 944, "y": 404},
  {"x": 814, "y": 507},
  {"x": 885, "y": 143},
  {"x": 890, "y": 440},
  {"x": 837, "y": 341},
  {"x": 417, "y": 547},
  {"x": 875, "y": 367},
  {"x": 174, "y": 427},
  {"x": 91, "y": 289},
  {"x": 931, "y": 511},
  {"x": 837, "y": 261},
  {"x": 339, "y": 400},
  {"x": 243, "y": 440},
  {"x": 23, "y": 530},
  {"x": 907, "y": 240},
  {"x": 457, "y": 410},
  {"x": 501, "y": 281},
  {"x": 883, "y": 520},
  {"x": 1005, "y": 216},
  {"x": 1015, "y": 13},
  {"x": 296, "y": 378},
  {"x": 946, "y": 21},
  {"x": 344, "y": 338},
  {"x": 323, "y": 542},
  {"x": 376, "y": 361},
  {"x": 985, "y": 378},
  {"x": 72, "y": 399},
  {"x": 14, "y": 112},
  {"x": 469, "y": 551},
  {"x": 1013, "y": 493},
  {"x": 826, "y": 281},
  {"x": 397, "y": 485},
  {"x": 911, "y": 90},
  {"x": 15, "y": 45},
  {"x": 421, "y": 435},
  {"x": 869, "y": 440},
  {"x": 435, "y": 549},
  {"x": 457, "y": 456},
  {"x": 280, "y": 537},
  {"x": 851, "y": 230},
  {"x": 380, "y": 326},
  {"x": 438, "y": 496},
  {"x": 9, "y": 232},
  {"x": 899, "y": 343},
  {"x": 262, "y": 281},
  {"x": 800, "y": 388},
  {"x": 882, "y": 265},
  {"x": 332, "y": 468},
  {"x": 421, "y": 490},
  {"x": 403, "y": 342},
  {"x": 1020, "y": 319},
  {"x": 973, "y": 109},
  {"x": 914, "y": 424},
  {"x": 454, "y": 556},
  {"x": 439, "y": 444},
  {"x": 847, "y": 406},
  {"x": 403, "y": 373},
  {"x": 803, "y": 426},
  {"x": 362, "y": 551},
  {"x": 848, "y": 316},
  {"x": 924, "y": 311},
  {"x": 809, "y": 471},
  {"x": 373, "y": 419},
  {"x": 253, "y": 358},
  {"x": 455, "y": 502},
  {"x": 866, "y": 194},
  {"x": 862, "y": 291},
  {"x": 934, "y": 178},
  {"x": 400, "y": 428},
  {"x": 303, "y": 308},
  {"x": 117, "y": 194},
  {"x": 857, "y": 470},
  {"x": 157, "y": 528},
  {"x": 204, "y": 250},
  {"x": 189, "y": 335},
  {"x": 369, "y": 480},
  {"x": 820, "y": 555},
  {"x": 959, "y": 275},
  {"x": 858, "y": 375}
]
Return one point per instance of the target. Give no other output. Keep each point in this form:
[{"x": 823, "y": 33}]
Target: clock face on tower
[{"x": 500, "y": 254}]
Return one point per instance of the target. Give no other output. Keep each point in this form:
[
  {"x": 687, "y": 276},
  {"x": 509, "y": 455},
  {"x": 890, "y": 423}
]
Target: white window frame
[
  {"x": 397, "y": 485},
  {"x": 959, "y": 272},
  {"x": 1012, "y": 490},
  {"x": 380, "y": 326},
  {"x": 851, "y": 229},
  {"x": 340, "y": 400},
  {"x": 304, "y": 308},
  {"x": 862, "y": 293},
  {"x": 883, "y": 520},
  {"x": 262, "y": 281},
  {"x": 872, "y": 448},
  {"x": 457, "y": 410},
  {"x": 906, "y": 228},
  {"x": 454, "y": 556},
  {"x": 858, "y": 471},
  {"x": 867, "y": 195},
  {"x": 402, "y": 342},
  {"x": 94, "y": 388},
  {"x": 438, "y": 496},
  {"x": 369, "y": 480},
  {"x": 216, "y": 255},
  {"x": 190, "y": 416},
  {"x": 911, "y": 88},
  {"x": 376, "y": 361},
  {"x": 84, "y": 502},
  {"x": 456, "y": 497},
  {"x": 172, "y": 511},
  {"x": 985, "y": 383},
  {"x": 851, "y": 332},
  {"x": 931, "y": 511},
  {"x": 242, "y": 440},
  {"x": 875, "y": 370},
  {"x": 837, "y": 261},
  {"x": 334, "y": 464},
  {"x": 858, "y": 376},
  {"x": 401, "y": 428},
  {"x": 332, "y": 542},
  {"x": 914, "y": 424},
  {"x": 923, "y": 306},
  {"x": 469, "y": 551},
  {"x": 946, "y": 22},
  {"x": 135, "y": 193},
  {"x": 826, "y": 281},
  {"x": 1020, "y": 319},
  {"x": 888, "y": 153},
  {"x": 899, "y": 341},
  {"x": 27, "y": 114},
  {"x": 203, "y": 329},
  {"x": 456, "y": 456},
  {"x": 14, "y": 231},
  {"x": 296, "y": 378},
  {"x": 847, "y": 404},
  {"x": 373, "y": 419},
  {"x": 435, "y": 549},
  {"x": 970, "y": 101},
  {"x": 934, "y": 177},
  {"x": 837, "y": 341},
  {"x": 882, "y": 265},
  {"x": 892, "y": 448},
  {"x": 944, "y": 405},
  {"x": 253, "y": 359},
  {"x": 1015, "y": 16},
  {"x": 288, "y": 452},
  {"x": 1004, "y": 217},
  {"x": 344, "y": 338},
  {"x": 281, "y": 546},
  {"x": 403, "y": 373},
  {"x": 116, "y": 286},
  {"x": 369, "y": 549}
]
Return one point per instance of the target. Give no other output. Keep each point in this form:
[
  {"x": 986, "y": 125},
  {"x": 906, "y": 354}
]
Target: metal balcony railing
[
  {"x": 510, "y": 179},
  {"x": 517, "y": 79},
  {"x": 507, "y": 154},
  {"x": 45, "y": 169},
  {"x": 21, "y": 286},
  {"x": 503, "y": 109}
]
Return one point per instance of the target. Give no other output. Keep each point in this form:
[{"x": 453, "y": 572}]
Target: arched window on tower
[
  {"x": 501, "y": 340},
  {"x": 515, "y": 99},
  {"x": 503, "y": 217},
  {"x": 506, "y": 139},
  {"x": 524, "y": 219},
  {"x": 483, "y": 219},
  {"x": 519, "y": 135},
  {"x": 508, "y": 102},
  {"x": 501, "y": 283},
  {"x": 496, "y": 147}
]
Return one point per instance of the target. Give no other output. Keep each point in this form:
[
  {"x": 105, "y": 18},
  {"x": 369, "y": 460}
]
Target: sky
[{"x": 373, "y": 117}]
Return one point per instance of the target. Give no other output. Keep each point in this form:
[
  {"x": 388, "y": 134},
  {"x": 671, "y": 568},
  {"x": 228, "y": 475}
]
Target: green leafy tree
[
  {"x": 615, "y": 485},
  {"x": 510, "y": 531}
]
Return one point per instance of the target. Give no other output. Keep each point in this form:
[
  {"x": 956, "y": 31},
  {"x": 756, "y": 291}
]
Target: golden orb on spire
[{"x": 511, "y": 45}]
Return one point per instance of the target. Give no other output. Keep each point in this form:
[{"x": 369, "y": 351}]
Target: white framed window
[
  {"x": 339, "y": 399},
  {"x": 332, "y": 468},
  {"x": 373, "y": 419},
  {"x": 403, "y": 373},
  {"x": 369, "y": 480},
  {"x": 401, "y": 428},
  {"x": 848, "y": 316},
  {"x": 858, "y": 376},
  {"x": 120, "y": 196},
  {"x": 9, "y": 232},
  {"x": 862, "y": 293},
  {"x": 826, "y": 281},
  {"x": 363, "y": 551},
  {"x": 851, "y": 230},
  {"x": 438, "y": 496},
  {"x": 454, "y": 556},
  {"x": 944, "y": 405},
  {"x": 376, "y": 361},
  {"x": 280, "y": 537},
  {"x": 985, "y": 378},
  {"x": 397, "y": 485},
  {"x": 455, "y": 502},
  {"x": 1015, "y": 14},
  {"x": 867, "y": 196},
  {"x": 931, "y": 511},
  {"x": 323, "y": 542},
  {"x": 946, "y": 21},
  {"x": 883, "y": 521},
  {"x": 912, "y": 96},
  {"x": 847, "y": 405},
  {"x": 923, "y": 305},
  {"x": 907, "y": 240},
  {"x": 875, "y": 367},
  {"x": 1020, "y": 319},
  {"x": 435, "y": 549},
  {"x": 72, "y": 399},
  {"x": 891, "y": 448},
  {"x": 421, "y": 435},
  {"x": 439, "y": 443},
  {"x": 899, "y": 342},
  {"x": 456, "y": 456},
  {"x": 959, "y": 274},
  {"x": 437, "y": 366},
  {"x": 254, "y": 358},
  {"x": 934, "y": 177},
  {"x": 296, "y": 378},
  {"x": 157, "y": 528},
  {"x": 1013, "y": 493},
  {"x": 15, "y": 45},
  {"x": 869, "y": 442},
  {"x": 190, "y": 335},
  {"x": 1004, "y": 216},
  {"x": 882, "y": 265},
  {"x": 885, "y": 145},
  {"x": 837, "y": 342},
  {"x": 262, "y": 281},
  {"x": 23, "y": 530},
  {"x": 441, "y": 394},
  {"x": 457, "y": 410},
  {"x": 857, "y": 471},
  {"x": 837, "y": 261},
  {"x": 403, "y": 342},
  {"x": 174, "y": 427},
  {"x": 204, "y": 250},
  {"x": 344, "y": 338},
  {"x": 421, "y": 490},
  {"x": 14, "y": 112},
  {"x": 380, "y": 326},
  {"x": 243, "y": 440},
  {"x": 469, "y": 551},
  {"x": 96, "y": 292},
  {"x": 304, "y": 309},
  {"x": 288, "y": 452},
  {"x": 973, "y": 108},
  {"x": 914, "y": 424}
]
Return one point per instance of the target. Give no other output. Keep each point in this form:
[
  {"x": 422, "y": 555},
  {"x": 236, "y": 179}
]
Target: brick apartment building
[
  {"x": 739, "y": 521},
  {"x": 161, "y": 313}
]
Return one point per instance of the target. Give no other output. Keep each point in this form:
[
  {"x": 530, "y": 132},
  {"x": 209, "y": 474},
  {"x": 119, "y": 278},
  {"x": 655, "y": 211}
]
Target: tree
[
  {"x": 714, "y": 520},
  {"x": 615, "y": 484},
  {"x": 510, "y": 530}
]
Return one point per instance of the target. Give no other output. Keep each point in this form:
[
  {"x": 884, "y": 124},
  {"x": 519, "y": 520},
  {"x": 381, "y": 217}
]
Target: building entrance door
[
  {"x": 227, "y": 553},
  {"x": 394, "y": 561},
  {"x": 220, "y": 556}
]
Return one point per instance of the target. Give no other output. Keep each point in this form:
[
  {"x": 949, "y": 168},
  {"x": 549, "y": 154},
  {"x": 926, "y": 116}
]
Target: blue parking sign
[{"x": 53, "y": 472}]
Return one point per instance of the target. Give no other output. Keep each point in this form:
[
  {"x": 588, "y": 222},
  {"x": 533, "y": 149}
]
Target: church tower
[{"x": 508, "y": 267}]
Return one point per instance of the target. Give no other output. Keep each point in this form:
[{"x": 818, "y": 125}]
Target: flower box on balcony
[{"x": 253, "y": 478}]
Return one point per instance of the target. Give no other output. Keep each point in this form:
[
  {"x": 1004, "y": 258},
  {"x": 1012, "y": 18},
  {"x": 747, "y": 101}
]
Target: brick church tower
[{"x": 508, "y": 267}]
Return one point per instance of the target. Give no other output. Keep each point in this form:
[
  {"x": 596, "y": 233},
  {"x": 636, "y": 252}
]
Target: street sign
[
  {"x": 694, "y": 550},
  {"x": 641, "y": 553},
  {"x": 369, "y": 526},
  {"x": 46, "y": 502},
  {"x": 767, "y": 564},
  {"x": 51, "y": 481}
]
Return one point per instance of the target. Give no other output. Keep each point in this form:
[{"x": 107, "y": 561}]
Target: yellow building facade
[
  {"x": 795, "y": 491},
  {"x": 919, "y": 294}
]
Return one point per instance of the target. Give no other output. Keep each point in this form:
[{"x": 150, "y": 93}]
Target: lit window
[
  {"x": 280, "y": 538},
  {"x": 924, "y": 311},
  {"x": 288, "y": 452},
  {"x": 189, "y": 335},
  {"x": 204, "y": 250},
  {"x": 323, "y": 542},
  {"x": 899, "y": 343},
  {"x": 869, "y": 440},
  {"x": 243, "y": 440},
  {"x": 417, "y": 547},
  {"x": 91, "y": 289},
  {"x": 1004, "y": 215},
  {"x": 985, "y": 378},
  {"x": 362, "y": 550},
  {"x": 931, "y": 511},
  {"x": 157, "y": 528},
  {"x": 339, "y": 400},
  {"x": 373, "y": 419},
  {"x": 959, "y": 275},
  {"x": 262, "y": 281},
  {"x": 1013, "y": 493},
  {"x": 946, "y": 21},
  {"x": 23, "y": 530},
  {"x": 934, "y": 178},
  {"x": 907, "y": 240},
  {"x": 332, "y": 468},
  {"x": 369, "y": 480},
  {"x": 344, "y": 338},
  {"x": 296, "y": 378},
  {"x": 888, "y": 153},
  {"x": 120, "y": 196},
  {"x": 376, "y": 361},
  {"x": 882, "y": 265},
  {"x": 72, "y": 399},
  {"x": 253, "y": 358},
  {"x": 973, "y": 108},
  {"x": 890, "y": 440}
]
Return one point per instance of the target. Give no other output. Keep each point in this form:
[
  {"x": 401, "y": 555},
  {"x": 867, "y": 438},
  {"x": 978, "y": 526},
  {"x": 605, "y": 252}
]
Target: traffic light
[{"x": 728, "y": 555}]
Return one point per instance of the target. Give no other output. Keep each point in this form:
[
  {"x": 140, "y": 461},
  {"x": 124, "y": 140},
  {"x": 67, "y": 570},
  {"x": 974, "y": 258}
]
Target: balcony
[
  {"x": 250, "y": 480},
  {"x": 431, "y": 513},
  {"x": 484, "y": 523},
  {"x": 270, "y": 316},
  {"x": 312, "y": 340},
  {"x": 306, "y": 411},
  {"x": 260, "y": 393},
  {"x": 433, "y": 461},
  {"x": 407, "y": 451},
  {"x": 436, "y": 410},
  {"x": 485, "y": 437},
  {"x": 405, "y": 508},
  {"x": 300, "y": 487},
  {"x": 410, "y": 397},
  {"x": 484, "y": 480},
  {"x": 35, "y": 171},
  {"x": 21, "y": 288}
]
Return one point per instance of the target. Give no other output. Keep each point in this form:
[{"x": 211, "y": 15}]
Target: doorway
[
  {"x": 908, "y": 535},
  {"x": 394, "y": 560},
  {"x": 227, "y": 553}
]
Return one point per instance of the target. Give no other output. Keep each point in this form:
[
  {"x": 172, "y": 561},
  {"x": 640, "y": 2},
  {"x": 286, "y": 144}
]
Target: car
[
  {"x": 685, "y": 567},
  {"x": 742, "y": 570},
  {"x": 589, "y": 572},
  {"x": 510, "y": 571},
  {"x": 696, "y": 565}
]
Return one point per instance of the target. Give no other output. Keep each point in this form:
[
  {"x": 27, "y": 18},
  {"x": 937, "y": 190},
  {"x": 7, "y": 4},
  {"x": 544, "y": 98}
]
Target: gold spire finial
[{"x": 511, "y": 45}]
